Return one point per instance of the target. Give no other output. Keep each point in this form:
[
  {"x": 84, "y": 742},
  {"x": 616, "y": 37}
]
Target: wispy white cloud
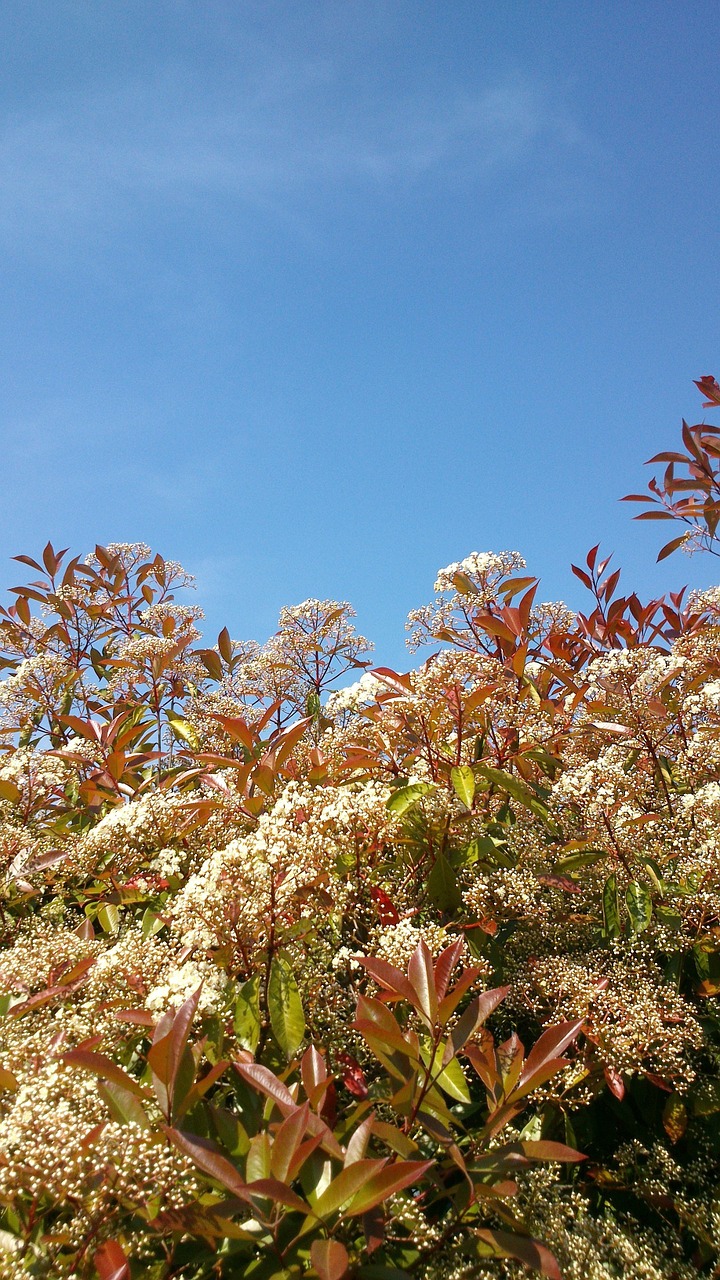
[{"x": 98, "y": 160}]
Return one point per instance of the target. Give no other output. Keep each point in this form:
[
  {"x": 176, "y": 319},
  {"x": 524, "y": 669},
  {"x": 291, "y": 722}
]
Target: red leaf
[
  {"x": 225, "y": 645},
  {"x": 353, "y": 1077},
  {"x": 506, "y": 1245},
  {"x": 314, "y": 1076},
  {"x": 615, "y": 1082},
  {"x": 671, "y": 546},
  {"x": 208, "y": 1158},
  {"x": 560, "y": 882},
  {"x": 166, "y": 1051},
  {"x": 707, "y": 386},
  {"x": 104, "y": 1067},
  {"x": 387, "y": 1182},
  {"x": 549, "y": 1046},
  {"x": 551, "y": 1151},
  {"x": 272, "y": 1189},
  {"x": 111, "y": 1262},
  {"x": 262, "y": 1078},
  {"x": 387, "y": 976},
  {"x": 387, "y": 912},
  {"x": 445, "y": 964},
  {"x": 422, "y": 977}
]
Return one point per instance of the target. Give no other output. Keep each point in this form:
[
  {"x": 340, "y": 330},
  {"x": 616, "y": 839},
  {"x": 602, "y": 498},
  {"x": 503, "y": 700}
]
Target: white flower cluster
[
  {"x": 306, "y": 843},
  {"x": 353, "y": 696},
  {"x": 397, "y": 942},
  {"x": 180, "y": 983},
  {"x": 129, "y": 834},
  {"x": 482, "y": 566}
]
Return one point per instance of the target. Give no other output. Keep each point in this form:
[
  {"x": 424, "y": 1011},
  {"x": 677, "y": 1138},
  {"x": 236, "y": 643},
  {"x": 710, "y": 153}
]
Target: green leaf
[
  {"x": 151, "y": 924},
  {"x": 519, "y": 791},
  {"x": 702, "y": 961},
  {"x": 654, "y": 871},
  {"x": 487, "y": 849},
  {"x": 442, "y": 885},
  {"x": 347, "y": 1183},
  {"x": 246, "y": 1018},
  {"x": 109, "y": 917},
  {"x": 639, "y": 905},
  {"x": 405, "y": 797},
  {"x": 452, "y": 1081},
  {"x": 632, "y": 760},
  {"x": 184, "y": 731},
  {"x": 285, "y": 1007},
  {"x": 257, "y": 1165},
  {"x": 9, "y": 791},
  {"x": 611, "y": 913},
  {"x": 574, "y": 861},
  {"x": 463, "y": 780},
  {"x": 387, "y": 1182},
  {"x": 125, "y": 1107},
  {"x": 705, "y": 1097},
  {"x": 675, "y": 1117},
  {"x": 230, "y": 1131}
]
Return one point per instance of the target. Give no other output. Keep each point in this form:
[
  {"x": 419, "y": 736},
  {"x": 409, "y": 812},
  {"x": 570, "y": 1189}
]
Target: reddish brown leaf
[
  {"x": 330, "y": 1259},
  {"x": 353, "y": 1076},
  {"x": 104, "y": 1067},
  {"x": 615, "y": 1082},
  {"x": 111, "y": 1262},
  {"x": 387, "y": 912},
  {"x": 387, "y": 1182},
  {"x": 504, "y": 1244},
  {"x": 207, "y": 1157}
]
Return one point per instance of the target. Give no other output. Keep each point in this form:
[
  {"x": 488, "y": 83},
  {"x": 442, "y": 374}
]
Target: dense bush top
[{"x": 417, "y": 976}]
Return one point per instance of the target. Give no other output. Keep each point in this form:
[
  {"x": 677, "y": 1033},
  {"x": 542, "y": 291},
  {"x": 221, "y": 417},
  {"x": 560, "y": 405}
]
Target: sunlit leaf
[
  {"x": 287, "y": 1018},
  {"x": 246, "y": 1015},
  {"x": 405, "y": 797},
  {"x": 639, "y": 905},
  {"x": 463, "y": 780}
]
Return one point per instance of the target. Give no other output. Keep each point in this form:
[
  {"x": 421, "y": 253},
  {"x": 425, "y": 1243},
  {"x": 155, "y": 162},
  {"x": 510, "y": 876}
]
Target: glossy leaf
[
  {"x": 504, "y": 1244},
  {"x": 209, "y": 1159},
  {"x": 246, "y": 1014},
  {"x": 388, "y": 1182},
  {"x": 111, "y": 1262},
  {"x": 330, "y": 1259},
  {"x": 611, "y": 913},
  {"x": 639, "y": 905},
  {"x": 287, "y": 1018},
  {"x": 675, "y": 1117},
  {"x": 405, "y": 797},
  {"x": 463, "y": 780}
]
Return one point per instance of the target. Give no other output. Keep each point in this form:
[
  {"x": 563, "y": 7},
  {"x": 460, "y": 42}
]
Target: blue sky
[{"x": 317, "y": 297}]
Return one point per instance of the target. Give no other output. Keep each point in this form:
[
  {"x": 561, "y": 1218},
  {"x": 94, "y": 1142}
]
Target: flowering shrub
[{"x": 415, "y": 976}]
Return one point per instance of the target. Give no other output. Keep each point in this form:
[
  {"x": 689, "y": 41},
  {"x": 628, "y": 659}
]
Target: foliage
[
  {"x": 419, "y": 976},
  {"x": 699, "y": 509}
]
